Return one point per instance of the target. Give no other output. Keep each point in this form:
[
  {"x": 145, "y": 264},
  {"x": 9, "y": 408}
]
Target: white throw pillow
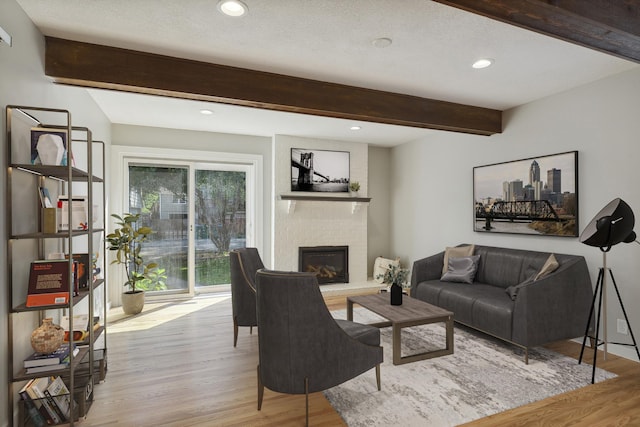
[{"x": 380, "y": 267}]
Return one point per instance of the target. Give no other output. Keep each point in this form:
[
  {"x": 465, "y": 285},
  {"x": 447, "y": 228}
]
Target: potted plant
[
  {"x": 126, "y": 240},
  {"x": 397, "y": 276},
  {"x": 354, "y": 187}
]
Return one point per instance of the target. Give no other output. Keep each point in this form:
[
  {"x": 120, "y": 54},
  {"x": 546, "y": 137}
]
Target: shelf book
[
  {"x": 82, "y": 269},
  {"x": 50, "y": 397},
  {"x": 34, "y": 391},
  {"x": 62, "y": 364},
  {"x": 48, "y": 283},
  {"x": 47, "y": 359}
]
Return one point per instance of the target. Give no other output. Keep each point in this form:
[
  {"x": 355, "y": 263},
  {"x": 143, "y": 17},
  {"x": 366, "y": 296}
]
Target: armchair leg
[
  {"x": 235, "y": 331},
  {"x": 306, "y": 394},
  {"x": 251, "y": 330},
  {"x": 378, "y": 376},
  {"x": 260, "y": 390}
]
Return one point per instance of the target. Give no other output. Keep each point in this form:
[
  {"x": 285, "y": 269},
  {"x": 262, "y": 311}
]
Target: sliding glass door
[
  {"x": 160, "y": 195},
  {"x": 199, "y": 213},
  {"x": 220, "y": 220}
]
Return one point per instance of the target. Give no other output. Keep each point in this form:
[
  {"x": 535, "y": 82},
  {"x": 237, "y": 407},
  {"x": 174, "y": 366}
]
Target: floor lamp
[{"x": 612, "y": 225}]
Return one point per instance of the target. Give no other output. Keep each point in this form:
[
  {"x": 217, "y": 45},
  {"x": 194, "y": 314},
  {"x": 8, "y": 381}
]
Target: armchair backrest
[
  {"x": 244, "y": 263},
  {"x": 298, "y": 338}
]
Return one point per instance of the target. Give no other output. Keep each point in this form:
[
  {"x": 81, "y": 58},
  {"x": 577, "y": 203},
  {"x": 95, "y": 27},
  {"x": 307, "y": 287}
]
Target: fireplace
[{"x": 330, "y": 263}]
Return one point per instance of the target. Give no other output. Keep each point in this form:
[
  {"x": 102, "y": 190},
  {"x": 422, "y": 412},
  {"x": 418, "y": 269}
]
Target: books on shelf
[
  {"x": 82, "y": 270},
  {"x": 61, "y": 364},
  {"x": 47, "y": 359},
  {"x": 50, "y": 399},
  {"x": 78, "y": 213},
  {"x": 48, "y": 283}
]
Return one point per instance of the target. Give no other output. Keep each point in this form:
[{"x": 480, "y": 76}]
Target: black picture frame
[
  {"x": 329, "y": 170},
  {"x": 535, "y": 196}
]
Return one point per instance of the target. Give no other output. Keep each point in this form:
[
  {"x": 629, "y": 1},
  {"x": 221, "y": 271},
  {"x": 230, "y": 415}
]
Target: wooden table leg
[{"x": 349, "y": 310}]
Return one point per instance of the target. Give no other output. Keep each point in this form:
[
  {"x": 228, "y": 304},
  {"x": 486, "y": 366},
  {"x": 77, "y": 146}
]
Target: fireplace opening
[{"x": 330, "y": 263}]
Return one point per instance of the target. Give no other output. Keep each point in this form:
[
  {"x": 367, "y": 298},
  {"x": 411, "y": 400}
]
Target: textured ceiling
[{"x": 330, "y": 40}]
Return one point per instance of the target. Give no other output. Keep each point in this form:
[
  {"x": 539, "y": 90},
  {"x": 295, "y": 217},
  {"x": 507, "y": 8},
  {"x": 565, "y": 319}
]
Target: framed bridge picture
[
  {"x": 319, "y": 170},
  {"x": 536, "y": 196}
]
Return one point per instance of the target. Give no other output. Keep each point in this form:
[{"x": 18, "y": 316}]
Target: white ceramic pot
[{"x": 132, "y": 303}]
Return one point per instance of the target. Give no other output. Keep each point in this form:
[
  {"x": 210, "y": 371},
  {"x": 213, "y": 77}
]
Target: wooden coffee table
[{"x": 412, "y": 312}]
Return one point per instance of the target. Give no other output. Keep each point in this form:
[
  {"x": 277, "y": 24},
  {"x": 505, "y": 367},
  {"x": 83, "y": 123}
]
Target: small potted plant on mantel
[
  {"x": 354, "y": 187},
  {"x": 126, "y": 241}
]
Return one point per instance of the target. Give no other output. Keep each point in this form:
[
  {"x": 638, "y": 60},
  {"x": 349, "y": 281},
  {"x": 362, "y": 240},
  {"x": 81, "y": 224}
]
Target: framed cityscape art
[{"x": 536, "y": 196}]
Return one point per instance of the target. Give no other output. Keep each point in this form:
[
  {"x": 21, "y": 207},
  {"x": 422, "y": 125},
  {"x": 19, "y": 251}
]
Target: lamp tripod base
[{"x": 596, "y": 342}]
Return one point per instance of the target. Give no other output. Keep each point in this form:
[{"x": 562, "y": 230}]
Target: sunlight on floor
[{"x": 158, "y": 313}]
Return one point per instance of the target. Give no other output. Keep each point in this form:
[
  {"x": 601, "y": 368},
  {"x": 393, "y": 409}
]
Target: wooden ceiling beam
[
  {"x": 607, "y": 26},
  {"x": 96, "y": 66}
]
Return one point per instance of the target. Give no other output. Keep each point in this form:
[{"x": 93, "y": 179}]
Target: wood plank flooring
[{"x": 175, "y": 365}]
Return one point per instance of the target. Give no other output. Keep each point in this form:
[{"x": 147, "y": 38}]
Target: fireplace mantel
[{"x": 356, "y": 202}]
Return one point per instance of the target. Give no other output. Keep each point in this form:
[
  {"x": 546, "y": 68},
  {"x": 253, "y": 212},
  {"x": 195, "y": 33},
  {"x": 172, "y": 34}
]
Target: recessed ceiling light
[
  {"x": 234, "y": 8},
  {"x": 355, "y": 128},
  {"x": 382, "y": 42},
  {"x": 206, "y": 112},
  {"x": 482, "y": 63}
]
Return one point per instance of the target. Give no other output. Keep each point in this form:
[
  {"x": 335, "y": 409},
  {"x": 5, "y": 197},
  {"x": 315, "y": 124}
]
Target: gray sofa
[{"x": 504, "y": 301}]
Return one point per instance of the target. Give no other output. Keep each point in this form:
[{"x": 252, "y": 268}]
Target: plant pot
[
  {"x": 132, "y": 302},
  {"x": 396, "y": 294}
]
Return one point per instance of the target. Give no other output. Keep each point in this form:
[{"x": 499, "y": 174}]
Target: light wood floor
[{"x": 175, "y": 365}]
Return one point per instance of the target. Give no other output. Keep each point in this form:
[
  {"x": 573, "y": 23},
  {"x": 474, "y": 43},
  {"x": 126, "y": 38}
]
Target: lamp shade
[{"x": 612, "y": 225}]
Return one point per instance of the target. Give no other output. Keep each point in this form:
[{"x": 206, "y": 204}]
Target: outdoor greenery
[
  {"x": 219, "y": 201},
  {"x": 220, "y": 196}
]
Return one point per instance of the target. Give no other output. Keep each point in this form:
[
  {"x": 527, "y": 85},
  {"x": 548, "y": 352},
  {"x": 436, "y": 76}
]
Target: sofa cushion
[
  {"x": 485, "y": 307},
  {"x": 493, "y": 313},
  {"x": 458, "y": 251},
  {"x": 366, "y": 334},
  {"x": 461, "y": 269}
]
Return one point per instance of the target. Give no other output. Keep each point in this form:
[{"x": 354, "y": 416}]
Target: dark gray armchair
[
  {"x": 302, "y": 348},
  {"x": 244, "y": 263}
]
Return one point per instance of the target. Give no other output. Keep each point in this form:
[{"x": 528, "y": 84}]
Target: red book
[{"x": 48, "y": 283}]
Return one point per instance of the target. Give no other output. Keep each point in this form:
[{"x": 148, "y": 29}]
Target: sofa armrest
[
  {"x": 429, "y": 268},
  {"x": 555, "y": 307}
]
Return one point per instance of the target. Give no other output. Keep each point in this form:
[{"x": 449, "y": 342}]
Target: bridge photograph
[
  {"x": 535, "y": 196},
  {"x": 319, "y": 170}
]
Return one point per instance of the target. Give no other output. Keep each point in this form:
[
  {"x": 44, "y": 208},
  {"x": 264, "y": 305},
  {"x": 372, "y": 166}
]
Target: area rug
[{"x": 483, "y": 377}]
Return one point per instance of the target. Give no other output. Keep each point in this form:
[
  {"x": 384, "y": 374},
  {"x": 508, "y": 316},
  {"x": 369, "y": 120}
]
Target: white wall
[
  {"x": 379, "y": 220},
  {"x": 432, "y": 200},
  {"x": 22, "y": 82}
]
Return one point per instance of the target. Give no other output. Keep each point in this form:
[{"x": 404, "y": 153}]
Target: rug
[{"x": 484, "y": 376}]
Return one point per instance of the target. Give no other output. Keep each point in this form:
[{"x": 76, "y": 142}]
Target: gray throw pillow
[{"x": 461, "y": 269}]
